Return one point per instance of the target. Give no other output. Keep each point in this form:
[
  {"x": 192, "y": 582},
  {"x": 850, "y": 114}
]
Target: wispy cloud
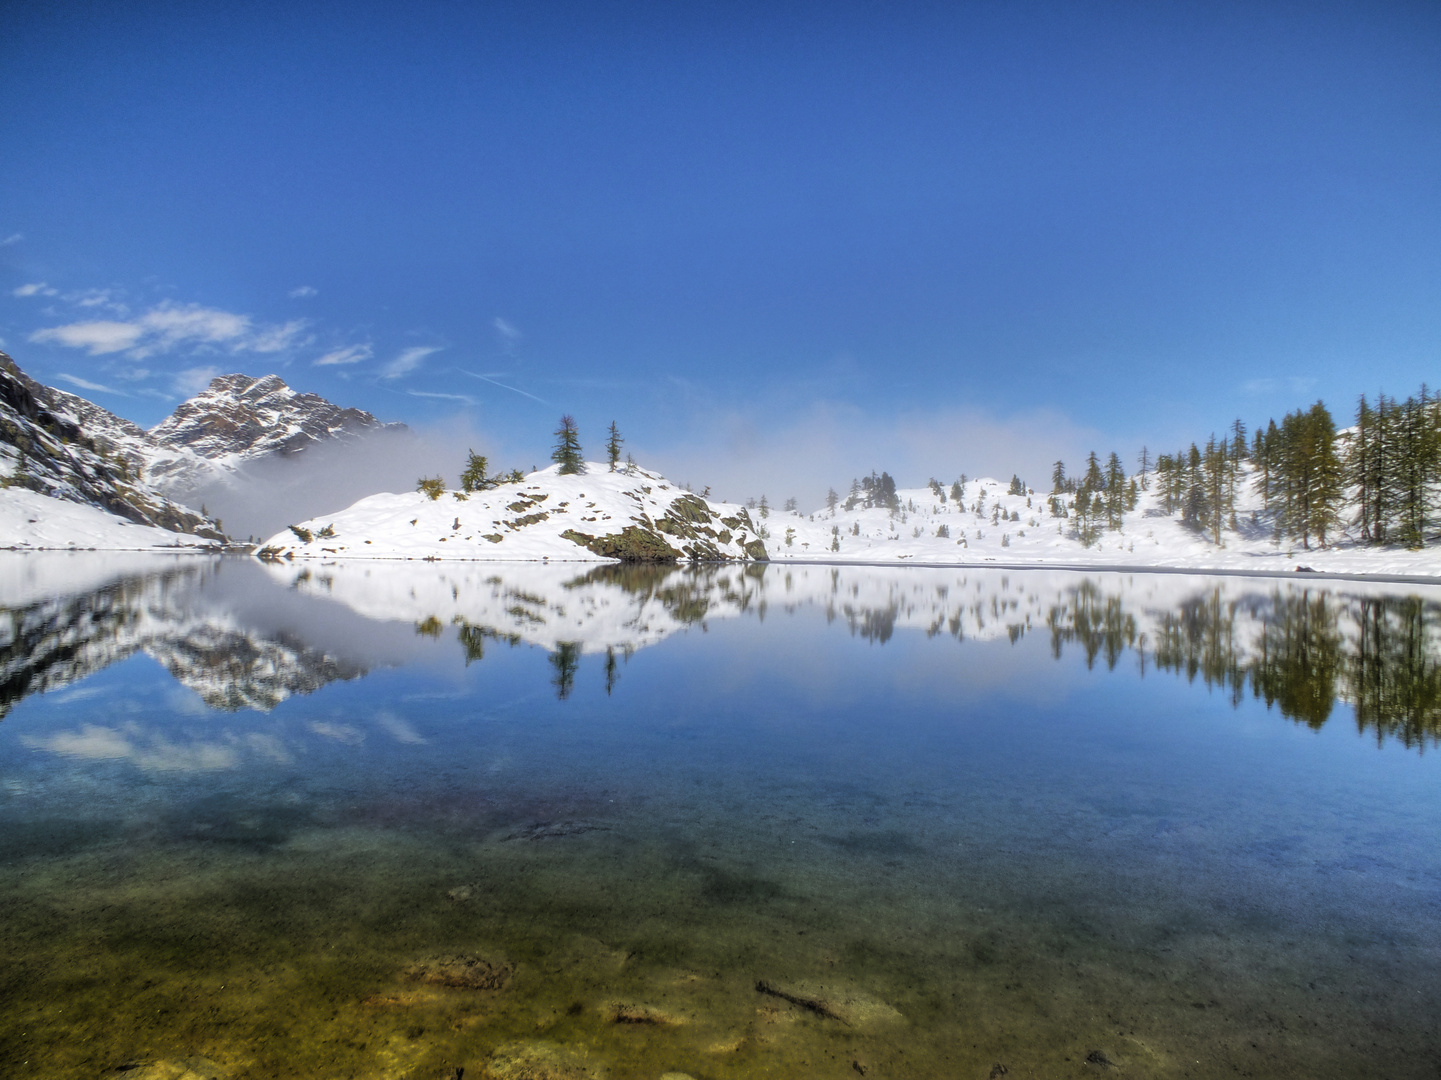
[
  {"x": 399, "y": 729},
  {"x": 86, "y": 384},
  {"x": 505, "y": 329},
  {"x": 512, "y": 389},
  {"x": 444, "y": 397},
  {"x": 350, "y": 354},
  {"x": 13, "y": 238},
  {"x": 407, "y": 361},
  {"x": 192, "y": 381},
  {"x": 171, "y": 327},
  {"x": 35, "y": 288},
  {"x": 98, "y": 298},
  {"x": 300, "y": 292}
]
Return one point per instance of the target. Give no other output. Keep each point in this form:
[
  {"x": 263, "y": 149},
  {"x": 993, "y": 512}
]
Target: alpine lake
[{"x": 566, "y": 822}]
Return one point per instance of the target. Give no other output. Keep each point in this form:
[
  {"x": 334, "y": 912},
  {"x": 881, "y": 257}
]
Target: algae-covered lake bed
[{"x": 452, "y": 820}]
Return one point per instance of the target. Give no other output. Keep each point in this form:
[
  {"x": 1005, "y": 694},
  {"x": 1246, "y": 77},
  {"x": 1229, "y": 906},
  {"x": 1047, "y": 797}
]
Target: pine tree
[
  {"x": 1058, "y": 478},
  {"x": 613, "y": 445},
  {"x": 473, "y": 478},
  {"x": 831, "y": 499},
  {"x": 1146, "y": 465},
  {"x": 567, "y": 448},
  {"x": 957, "y": 495},
  {"x": 1115, "y": 491}
]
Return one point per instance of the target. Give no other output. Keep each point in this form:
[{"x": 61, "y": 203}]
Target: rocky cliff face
[
  {"x": 48, "y": 445},
  {"x": 239, "y": 418}
]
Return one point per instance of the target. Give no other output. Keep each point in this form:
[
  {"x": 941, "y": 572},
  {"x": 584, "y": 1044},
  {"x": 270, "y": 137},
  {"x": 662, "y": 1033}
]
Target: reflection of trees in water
[
  {"x": 1395, "y": 676},
  {"x": 565, "y": 660},
  {"x": 1100, "y": 624},
  {"x": 1299, "y": 659},
  {"x": 1300, "y": 656}
]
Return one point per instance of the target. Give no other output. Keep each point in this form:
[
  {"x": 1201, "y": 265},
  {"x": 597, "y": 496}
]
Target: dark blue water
[{"x": 394, "y": 820}]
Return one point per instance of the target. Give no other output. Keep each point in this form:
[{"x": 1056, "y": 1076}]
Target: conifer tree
[
  {"x": 957, "y": 495},
  {"x": 613, "y": 445},
  {"x": 831, "y": 499},
  {"x": 1145, "y": 466},
  {"x": 473, "y": 479},
  {"x": 1115, "y": 490},
  {"x": 1058, "y": 478},
  {"x": 567, "y": 448}
]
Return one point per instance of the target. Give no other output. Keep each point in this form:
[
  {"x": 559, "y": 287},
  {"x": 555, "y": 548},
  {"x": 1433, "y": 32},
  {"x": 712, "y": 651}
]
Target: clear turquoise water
[{"x": 717, "y": 824}]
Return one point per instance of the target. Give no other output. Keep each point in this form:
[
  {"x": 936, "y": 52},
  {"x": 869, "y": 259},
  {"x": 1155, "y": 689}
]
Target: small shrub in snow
[
  {"x": 305, "y": 535},
  {"x": 1005, "y": 540},
  {"x": 943, "y": 532},
  {"x": 434, "y": 486}
]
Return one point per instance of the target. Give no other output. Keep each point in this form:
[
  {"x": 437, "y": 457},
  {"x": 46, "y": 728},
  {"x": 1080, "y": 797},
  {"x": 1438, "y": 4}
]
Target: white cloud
[
  {"x": 407, "y": 361},
  {"x": 98, "y": 337},
  {"x": 86, "y": 384},
  {"x": 192, "y": 381},
  {"x": 13, "y": 238},
  {"x": 300, "y": 292},
  {"x": 505, "y": 329},
  {"x": 35, "y": 288},
  {"x": 169, "y": 327},
  {"x": 350, "y": 354}
]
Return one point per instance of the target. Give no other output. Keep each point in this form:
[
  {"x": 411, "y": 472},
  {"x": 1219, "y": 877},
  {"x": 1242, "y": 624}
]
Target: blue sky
[{"x": 780, "y": 244}]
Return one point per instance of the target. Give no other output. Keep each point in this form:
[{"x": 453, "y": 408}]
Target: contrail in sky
[{"x": 512, "y": 389}]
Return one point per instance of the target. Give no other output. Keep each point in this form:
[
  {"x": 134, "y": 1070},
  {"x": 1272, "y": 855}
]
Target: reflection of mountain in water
[
  {"x": 53, "y": 641},
  {"x": 1301, "y": 646}
]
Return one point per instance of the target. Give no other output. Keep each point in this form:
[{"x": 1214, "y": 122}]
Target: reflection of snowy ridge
[
  {"x": 608, "y": 607},
  {"x": 54, "y": 641},
  {"x": 633, "y": 607}
]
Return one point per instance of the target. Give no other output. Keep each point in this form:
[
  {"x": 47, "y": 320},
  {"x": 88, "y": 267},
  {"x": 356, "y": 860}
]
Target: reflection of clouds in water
[
  {"x": 398, "y": 728},
  {"x": 95, "y": 743},
  {"x": 155, "y": 753},
  {"x": 79, "y": 695},
  {"x": 341, "y": 733}
]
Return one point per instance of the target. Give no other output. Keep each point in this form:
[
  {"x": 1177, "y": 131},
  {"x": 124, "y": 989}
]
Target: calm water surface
[{"x": 402, "y": 820}]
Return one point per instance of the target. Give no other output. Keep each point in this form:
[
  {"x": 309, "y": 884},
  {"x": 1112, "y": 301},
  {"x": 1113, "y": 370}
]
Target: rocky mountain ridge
[
  {"x": 239, "y": 418},
  {"x": 64, "y": 446},
  {"x": 46, "y": 447}
]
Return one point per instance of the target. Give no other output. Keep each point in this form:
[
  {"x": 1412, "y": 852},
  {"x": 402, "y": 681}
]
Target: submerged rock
[
  {"x": 461, "y": 971},
  {"x": 541, "y": 1060},
  {"x": 189, "y": 1068},
  {"x": 633, "y": 1012}
]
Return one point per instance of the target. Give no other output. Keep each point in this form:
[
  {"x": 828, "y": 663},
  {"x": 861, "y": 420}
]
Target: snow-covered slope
[
  {"x": 988, "y": 525},
  {"x": 594, "y": 516},
  {"x": 59, "y": 486},
  {"x": 31, "y": 521}
]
